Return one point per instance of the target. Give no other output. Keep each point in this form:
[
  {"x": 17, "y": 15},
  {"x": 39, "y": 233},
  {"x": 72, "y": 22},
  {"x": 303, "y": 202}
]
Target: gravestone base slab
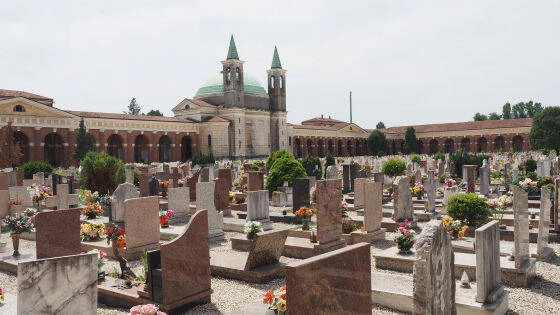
[
  {"x": 395, "y": 292},
  {"x": 9, "y": 263},
  {"x": 546, "y": 255},
  {"x": 128, "y": 254},
  {"x": 232, "y": 267},
  {"x": 180, "y": 218},
  {"x": 215, "y": 234}
]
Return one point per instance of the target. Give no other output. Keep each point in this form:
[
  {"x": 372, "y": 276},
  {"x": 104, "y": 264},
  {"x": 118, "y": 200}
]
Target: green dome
[{"x": 215, "y": 85}]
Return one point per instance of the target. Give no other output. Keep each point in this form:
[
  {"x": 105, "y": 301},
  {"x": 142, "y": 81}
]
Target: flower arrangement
[
  {"x": 404, "y": 236},
  {"x": 304, "y": 212},
  {"x": 239, "y": 199},
  {"x": 449, "y": 182},
  {"x": 231, "y": 195},
  {"x": 277, "y": 304},
  {"x": 455, "y": 228},
  {"x": 146, "y": 309},
  {"x": 164, "y": 216},
  {"x": 92, "y": 210},
  {"x": 251, "y": 228},
  {"x": 29, "y": 212},
  {"x": 87, "y": 196},
  {"x": 530, "y": 186},
  {"x": 418, "y": 188},
  {"x": 91, "y": 231},
  {"x": 39, "y": 192},
  {"x": 18, "y": 223},
  {"x": 499, "y": 205},
  {"x": 121, "y": 240},
  {"x": 181, "y": 183},
  {"x": 1, "y": 295},
  {"x": 163, "y": 183},
  {"x": 101, "y": 255}
]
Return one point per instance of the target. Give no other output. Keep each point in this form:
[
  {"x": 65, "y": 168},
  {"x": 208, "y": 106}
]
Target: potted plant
[
  {"x": 92, "y": 210},
  {"x": 404, "y": 237},
  {"x": 17, "y": 224},
  {"x": 251, "y": 228},
  {"x": 91, "y": 231},
  {"x": 164, "y": 216},
  {"x": 455, "y": 228},
  {"x": 305, "y": 213},
  {"x": 276, "y": 304}
]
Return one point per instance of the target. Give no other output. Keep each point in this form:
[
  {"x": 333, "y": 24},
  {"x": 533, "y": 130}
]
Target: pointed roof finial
[
  {"x": 232, "y": 51},
  {"x": 276, "y": 60}
]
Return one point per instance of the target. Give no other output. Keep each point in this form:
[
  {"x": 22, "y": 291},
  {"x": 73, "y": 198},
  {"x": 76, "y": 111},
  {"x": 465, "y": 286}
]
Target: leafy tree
[
  {"x": 276, "y": 155},
  {"x": 519, "y": 110},
  {"x": 394, "y": 167},
  {"x": 10, "y": 151},
  {"x": 329, "y": 160},
  {"x": 133, "y": 107},
  {"x": 545, "y": 132},
  {"x": 480, "y": 117},
  {"x": 84, "y": 142},
  {"x": 154, "y": 112},
  {"x": 460, "y": 158},
  {"x": 494, "y": 116},
  {"x": 312, "y": 166},
  {"x": 101, "y": 172},
  {"x": 410, "y": 142},
  {"x": 380, "y": 125},
  {"x": 506, "y": 111},
  {"x": 203, "y": 159},
  {"x": 377, "y": 143},
  {"x": 284, "y": 169}
]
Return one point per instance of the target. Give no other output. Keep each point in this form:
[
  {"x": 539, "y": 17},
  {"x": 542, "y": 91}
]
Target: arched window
[
  {"x": 209, "y": 140},
  {"x": 466, "y": 144},
  {"x": 289, "y": 141},
  {"x": 517, "y": 143},
  {"x": 272, "y": 82},
  {"x": 19, "y": 109},
  {"x": 228, "y": 76},
  {"x": 449, "y": 146},
  {"x": 237, "y": 75},
  {"x": 481, "y": 144},
  {"x": 281, "y": 80},
  {"x": 187, "y": 106},
  {"x": 499, "y": 143},
  {"x": 434, "y": 146}
]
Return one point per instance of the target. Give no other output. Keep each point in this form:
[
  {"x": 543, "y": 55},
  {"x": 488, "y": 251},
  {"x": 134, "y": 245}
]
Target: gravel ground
[{"x": 229, "y": 295}]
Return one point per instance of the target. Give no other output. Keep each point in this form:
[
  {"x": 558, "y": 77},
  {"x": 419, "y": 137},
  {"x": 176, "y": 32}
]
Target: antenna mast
[{"x": 350, "y": 106}]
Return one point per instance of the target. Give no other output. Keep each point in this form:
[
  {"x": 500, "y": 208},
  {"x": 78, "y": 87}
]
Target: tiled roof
[
  {"x": 321, "y": 121},
  {"x": 4, "y": 94},
  {"x": 197, "y": 102},
  {"x": 460, "y": 126},
  {"x": 336, "y": 126},
  {"x": 217, "y": 119},
  {"x": 125, "y": 116}
]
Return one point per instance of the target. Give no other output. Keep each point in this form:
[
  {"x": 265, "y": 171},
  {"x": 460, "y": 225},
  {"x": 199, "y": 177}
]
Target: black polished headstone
[{"x": 300, "y": 193}]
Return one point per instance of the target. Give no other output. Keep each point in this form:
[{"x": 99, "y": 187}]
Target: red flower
[{"x": 268, "y": 297}]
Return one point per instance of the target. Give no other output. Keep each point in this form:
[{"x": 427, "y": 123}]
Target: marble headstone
[
  {"x": 431, "y": 186},
  {"x": 205, "y": 201},
  {"x": 300, "y": 193},
  {"x": 329, "y": 211},
  {"x": 179, "y": 202},
  {"x": 402, "y": 204},
  {"x": 488, "y": 275},
  {"x": 141, "y": 223},
  {"x": 257, "y": 208},
  {"x": 123, "y": 192},
  {"x": 58, "y": 233},
  {"x": 484, "y": 173},
  {"x": 544, "y": 224},
  {"x": 521, "y": 226}
]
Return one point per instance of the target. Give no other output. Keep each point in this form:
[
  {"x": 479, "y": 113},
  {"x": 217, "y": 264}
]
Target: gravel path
[{"x": 229, "y": 295}]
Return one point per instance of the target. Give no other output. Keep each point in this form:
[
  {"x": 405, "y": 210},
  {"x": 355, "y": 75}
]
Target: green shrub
[
  {"x": 394, "y": 167},
  {"x": 284, "y": 169},
  {"x": 349, "y": 226},
  {"x": 276, "y": 155},
  {"x": 101, "y": 172},
  {"x": 415, "y": 158},
  {"x": 203, "y": 159},
  {"x": 312, "y": 166},
  {"x": 255, "y": 166},
  {"x": 439, "y": 156},
  {"x": 470, "y": 208},
  {"x": 32, "y": 167},
  {"x": 441, "y": 179},
  {"x": 530, "y": 165},
  {"x": 545, "y": 181},
  {"x": 545, "y": 151},
  {"x": 532, "y": 175},
  {"x": 329, "y": 160}
]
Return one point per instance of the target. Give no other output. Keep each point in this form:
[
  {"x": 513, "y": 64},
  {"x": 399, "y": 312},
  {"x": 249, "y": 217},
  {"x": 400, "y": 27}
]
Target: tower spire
[
  {"x": 232, "y": 51},
  {"x": 276, "y": 60}
]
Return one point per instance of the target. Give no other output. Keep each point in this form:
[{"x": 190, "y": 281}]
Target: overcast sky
[{"x": 406, "y": 62}]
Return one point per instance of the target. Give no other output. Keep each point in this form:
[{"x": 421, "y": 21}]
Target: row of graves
[{"x": 176, "y": 217}]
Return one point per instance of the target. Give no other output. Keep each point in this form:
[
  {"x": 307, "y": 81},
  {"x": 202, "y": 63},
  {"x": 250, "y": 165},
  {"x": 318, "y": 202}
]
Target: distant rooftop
[{"x": 6, "y": 94}]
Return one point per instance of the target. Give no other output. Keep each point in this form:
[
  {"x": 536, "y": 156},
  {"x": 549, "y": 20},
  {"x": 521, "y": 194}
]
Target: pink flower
[
  {"x": 407, "y": 233},
  {"x": 102, "y": 254}
]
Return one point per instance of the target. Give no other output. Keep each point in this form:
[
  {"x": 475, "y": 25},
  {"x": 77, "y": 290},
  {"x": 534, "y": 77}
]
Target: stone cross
[
  {"x": 431, "y": 186},
  {"x": 521, "y": 226},
  {"x": 62, "y": 200},
  {"x": 174, "y": 177},
  {"x": 434, "y": 272}
]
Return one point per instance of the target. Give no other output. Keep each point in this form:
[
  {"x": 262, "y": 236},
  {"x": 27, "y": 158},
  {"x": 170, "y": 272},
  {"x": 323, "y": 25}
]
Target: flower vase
[
  {"x": 404, "y": 250},
  {"x": 165, "y": 225},
  {"x": 100, "y": 275},
  {"x": 305, "y": 222},
  {"x": 250, "y": 236},
  {"x": 419, "y": 196},
  {"x": 15, "y": 242},
  {"x": 164, "y": 192},
  {"x": 91, "y": 216},
  {"x": 455, "y": 235}
]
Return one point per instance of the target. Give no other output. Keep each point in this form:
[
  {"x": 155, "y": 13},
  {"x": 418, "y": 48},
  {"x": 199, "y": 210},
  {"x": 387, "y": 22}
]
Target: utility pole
[{"x": 350, "y": 106}]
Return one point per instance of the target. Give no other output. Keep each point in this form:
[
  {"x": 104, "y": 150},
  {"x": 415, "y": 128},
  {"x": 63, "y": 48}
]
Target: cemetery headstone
[
  {"x": 507, "y": 177},
  {"x": 21, "y": 194},
  {"x": 221, "y": 194},
  {"x": 154, "y": 186},
  {"x": 141, "y": 223},
  {"x": 359, "y": 192},
  {"x": 204, "y": 175},
  {"x": 205, "y": 201},
  {"x": 373, "y": 211},
  {"x": 257, "y": 208},
  {"x": 348, "y": 176},
  {"x": 544, "y": 224},
  {"x": 488, "y": 274},
  {"x": 62, "y": 200},
  {"x": 300, "y": 193},
  {"x": 339, "y": 290},
  {"x": 484, "y": 173},
  {"x": 471, "y": 177},
  {"x": 329, "y": 211},
  {"x": 57, "y": 233},
  {"x": 145, "y": 184},
  {"x": 521, "y": 226},
  {"x": 402, "y": 204},
  {"x": 129, "y": 176},
  {"x": 225, "y": 173},
  {"x": 123, "y": 192},
  {"x": 191, "y": 183},
  {"x": 179, "y": 201},
  {"x": 255, "y": 181},
  {"x": 431, "y": 186},
  {"x": 174, "y": 177},
  {"x": 332, "y": 172},
  {"x": 434, "y": 272},
  {"x": 62, "y": 285}
]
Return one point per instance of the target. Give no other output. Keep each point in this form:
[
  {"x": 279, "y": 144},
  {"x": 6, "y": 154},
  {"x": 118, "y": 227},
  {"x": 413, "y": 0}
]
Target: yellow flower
[{"x": 281, "y": 305}]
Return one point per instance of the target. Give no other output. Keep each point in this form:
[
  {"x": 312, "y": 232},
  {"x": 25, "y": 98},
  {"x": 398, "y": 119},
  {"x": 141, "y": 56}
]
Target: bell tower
[
  {"x": 277, "y": 95},
  {"x": 232, "y": 71}
]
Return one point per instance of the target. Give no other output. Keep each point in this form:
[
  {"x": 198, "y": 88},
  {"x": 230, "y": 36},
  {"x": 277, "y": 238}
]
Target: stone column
[{"x": 521, "y": 226}]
